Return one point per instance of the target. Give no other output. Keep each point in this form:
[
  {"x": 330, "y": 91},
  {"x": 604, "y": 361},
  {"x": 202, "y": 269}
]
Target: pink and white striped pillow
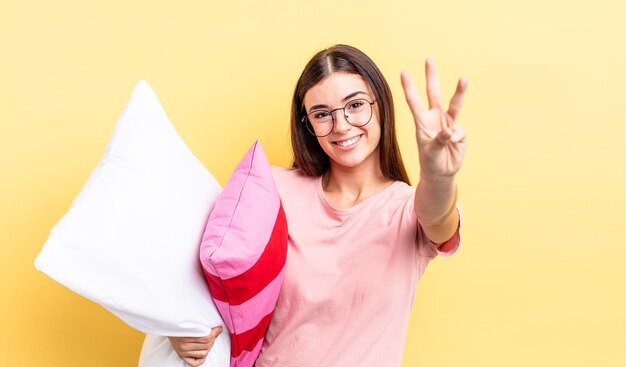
[{"x": 243, "y": 254}]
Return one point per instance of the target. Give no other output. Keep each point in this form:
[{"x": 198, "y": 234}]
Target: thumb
[
  {"x": 444, "y": 136},
  {"x": 216, "y": 331}
]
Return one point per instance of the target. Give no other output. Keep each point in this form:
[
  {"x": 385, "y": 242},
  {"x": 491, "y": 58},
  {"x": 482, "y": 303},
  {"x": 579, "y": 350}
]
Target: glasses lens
[
  {"x": 320, "y": 122},
  {"x": 358, "y": 112}
]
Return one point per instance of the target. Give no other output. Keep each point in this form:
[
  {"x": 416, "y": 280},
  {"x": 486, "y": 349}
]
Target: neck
[{"x": 362, "y": 180}]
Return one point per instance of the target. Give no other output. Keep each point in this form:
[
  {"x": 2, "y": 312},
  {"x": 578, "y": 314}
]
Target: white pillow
[{"x": 130, "y": 240}]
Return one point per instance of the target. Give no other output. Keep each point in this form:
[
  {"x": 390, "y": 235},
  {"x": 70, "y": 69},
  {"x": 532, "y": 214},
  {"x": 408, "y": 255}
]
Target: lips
[{"x": 347, "y": 143}]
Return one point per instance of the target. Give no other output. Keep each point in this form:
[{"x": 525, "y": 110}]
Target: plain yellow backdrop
[{"x": 539, "y": 279}]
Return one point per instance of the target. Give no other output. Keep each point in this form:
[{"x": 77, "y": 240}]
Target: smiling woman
[
  {"x": 345, "y": 64},
  {"x": 359, "y": 236},
  {"x": 349, "y": 138}
]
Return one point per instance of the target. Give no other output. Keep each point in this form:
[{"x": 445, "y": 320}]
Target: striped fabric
[{"x": 243, "y": 254}]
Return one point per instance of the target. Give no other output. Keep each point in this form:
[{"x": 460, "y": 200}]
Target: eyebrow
[{"x": 345, "y": 99}]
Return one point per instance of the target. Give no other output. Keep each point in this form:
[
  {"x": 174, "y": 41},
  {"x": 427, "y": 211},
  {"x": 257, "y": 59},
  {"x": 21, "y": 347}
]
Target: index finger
[{"x": 410, "y": 93}]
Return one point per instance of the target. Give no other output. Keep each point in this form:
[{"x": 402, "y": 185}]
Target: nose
[{"x": 341, "y": 123}]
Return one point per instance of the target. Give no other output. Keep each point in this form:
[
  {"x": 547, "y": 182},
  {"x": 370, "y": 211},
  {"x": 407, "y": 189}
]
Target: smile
[{"x": 348, "y": 142}]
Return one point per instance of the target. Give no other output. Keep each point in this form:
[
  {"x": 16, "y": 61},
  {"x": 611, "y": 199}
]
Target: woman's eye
[
  {"x": 321, "y": 115},
  {"x": 355, "y": 105}
]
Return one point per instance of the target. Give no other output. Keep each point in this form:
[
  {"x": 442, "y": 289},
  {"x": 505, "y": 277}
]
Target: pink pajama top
[{"x": 350, "y": 277}]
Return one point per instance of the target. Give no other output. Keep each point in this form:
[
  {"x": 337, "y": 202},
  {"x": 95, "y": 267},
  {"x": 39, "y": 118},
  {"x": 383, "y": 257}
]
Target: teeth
[{"x": 349, "y": 142}]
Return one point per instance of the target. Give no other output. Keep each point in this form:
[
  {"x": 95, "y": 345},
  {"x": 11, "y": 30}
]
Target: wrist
[
  {"x": 435, "y": 200},
  {"x": 440, "y": 181}
]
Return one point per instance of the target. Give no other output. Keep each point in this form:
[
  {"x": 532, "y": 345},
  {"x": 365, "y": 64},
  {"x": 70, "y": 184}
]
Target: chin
[
  {"x": 360, "y": 152},
  {"x": 354, "y": 160}
]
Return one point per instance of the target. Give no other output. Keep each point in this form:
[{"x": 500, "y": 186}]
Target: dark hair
[{"x": 309, "y": 157}]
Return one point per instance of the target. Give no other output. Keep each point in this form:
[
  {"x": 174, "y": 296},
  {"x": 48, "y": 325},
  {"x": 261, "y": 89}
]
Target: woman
[{"x": 359, "y": 236}]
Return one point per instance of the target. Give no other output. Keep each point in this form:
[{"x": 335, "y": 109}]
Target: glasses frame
[{"x": 309, "y": 126}]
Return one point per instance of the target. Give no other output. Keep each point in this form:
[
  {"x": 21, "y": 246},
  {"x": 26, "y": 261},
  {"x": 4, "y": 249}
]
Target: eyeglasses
[{"x": 357, "y": 112}]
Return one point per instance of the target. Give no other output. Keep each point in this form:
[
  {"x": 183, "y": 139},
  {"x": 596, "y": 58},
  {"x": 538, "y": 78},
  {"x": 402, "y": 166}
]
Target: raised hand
[{"x": 441, "y": 141}]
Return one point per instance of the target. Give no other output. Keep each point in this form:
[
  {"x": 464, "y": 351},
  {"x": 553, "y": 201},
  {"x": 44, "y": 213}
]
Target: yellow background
[{"x": 539, "y": 279}]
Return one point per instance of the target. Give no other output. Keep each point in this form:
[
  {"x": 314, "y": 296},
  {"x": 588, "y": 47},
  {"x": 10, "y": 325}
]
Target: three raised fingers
[{"x": 433, "y": 90}]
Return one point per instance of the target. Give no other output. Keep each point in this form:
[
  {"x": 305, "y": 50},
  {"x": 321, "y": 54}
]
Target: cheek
[
  {"x": 325, "y": 144},
  {"x": 375, "y": 125},
  {"x": 376, "y": 132}
]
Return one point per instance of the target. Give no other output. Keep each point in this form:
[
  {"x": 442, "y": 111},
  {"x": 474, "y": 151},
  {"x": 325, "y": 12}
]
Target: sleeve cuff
[{"x": 450, "y": 246}]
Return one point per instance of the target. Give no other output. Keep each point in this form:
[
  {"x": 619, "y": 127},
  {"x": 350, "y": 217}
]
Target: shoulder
[
  {"x": 280, "y": 172},
  {"x": 290, "y": 178},
  {"x": 394, "y": 204},
  {"x": 401, "y": 192},
  {"x": 402, "y": 188},
  {"x": 284, "y": 173},
  {"x": 296, "y": 191},
  {"x": 399, "y": 201}
]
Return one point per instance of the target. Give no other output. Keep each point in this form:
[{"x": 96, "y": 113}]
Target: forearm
[{"x": 435, "y": 208}]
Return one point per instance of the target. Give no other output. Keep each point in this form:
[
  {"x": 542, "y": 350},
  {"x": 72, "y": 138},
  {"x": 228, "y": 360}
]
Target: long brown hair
[{"x": 309, "y": 157}]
